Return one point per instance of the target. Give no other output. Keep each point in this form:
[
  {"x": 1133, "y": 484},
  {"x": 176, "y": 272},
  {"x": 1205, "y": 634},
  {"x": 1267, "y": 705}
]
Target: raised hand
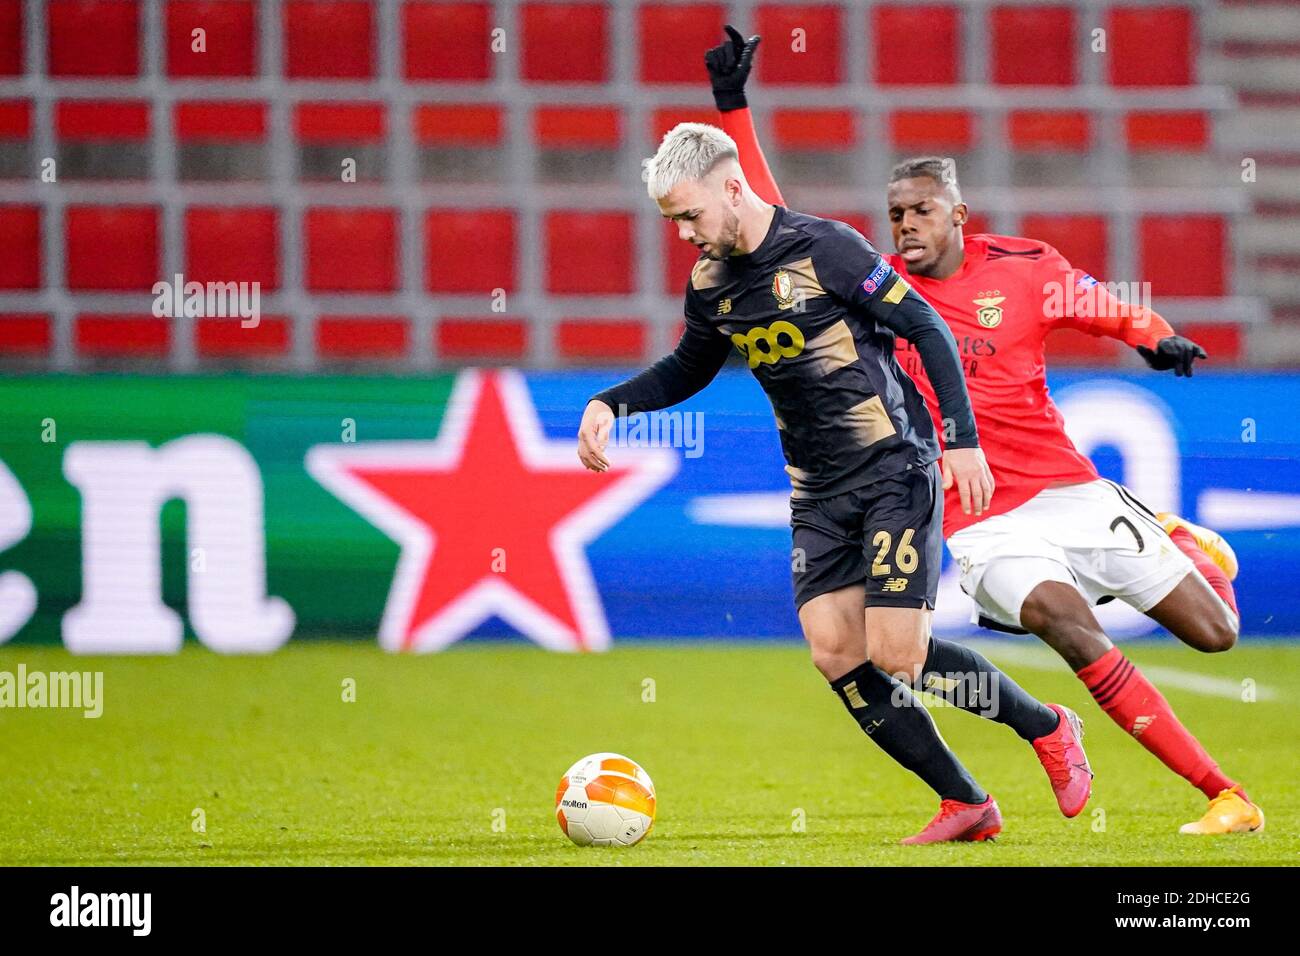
[{"x": 729, "y": 64}]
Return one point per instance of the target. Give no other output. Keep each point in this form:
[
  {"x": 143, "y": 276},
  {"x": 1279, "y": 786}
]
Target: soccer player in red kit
[{"x": 1057, "y": 538}]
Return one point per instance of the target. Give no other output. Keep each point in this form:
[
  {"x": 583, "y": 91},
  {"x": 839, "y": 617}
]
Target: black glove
[
  {"x": 1173, "y": 352},
  {"x": 729, "y": 66}
]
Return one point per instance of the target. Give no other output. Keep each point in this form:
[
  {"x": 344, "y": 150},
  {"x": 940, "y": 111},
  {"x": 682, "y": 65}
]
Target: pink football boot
[
  {"x": 961, "y": 822},
  {"x": 1061, "y": 754}
]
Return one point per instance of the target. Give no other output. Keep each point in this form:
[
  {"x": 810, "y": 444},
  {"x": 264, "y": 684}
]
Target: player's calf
[{"x": 1197, "y": 616}]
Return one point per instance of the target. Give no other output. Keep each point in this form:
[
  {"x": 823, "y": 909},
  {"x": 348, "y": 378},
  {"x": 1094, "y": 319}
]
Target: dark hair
[{"x": 942, "y": 169}]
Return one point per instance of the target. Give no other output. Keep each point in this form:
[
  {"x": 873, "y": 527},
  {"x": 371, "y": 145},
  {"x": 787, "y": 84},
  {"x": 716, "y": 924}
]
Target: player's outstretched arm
[
  {"x": 693, "y": 364},
  {"x": 729, "y": 64},
  {"x": 963, "y": 463},
  {"x": 1077, "y": 300}
]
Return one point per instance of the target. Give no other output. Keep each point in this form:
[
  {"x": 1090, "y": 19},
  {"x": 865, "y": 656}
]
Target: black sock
[
  {"x": 968, "y": 680},
  {"x": 894, "y": 719}
]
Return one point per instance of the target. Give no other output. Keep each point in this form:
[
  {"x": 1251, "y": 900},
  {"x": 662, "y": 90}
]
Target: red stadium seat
[
  {"x": 228, "y": 338},
  {"x": 93, "y": 37},
  {"x": 588, "y": 253},
  {"x": 15, "y": 120},
  {"x": 1081, "y": 239},
  {"x": 812, "y": 57},
  {"x": 932, "y": 129},
  {"x": 679, "y": 259},
  {"x": 447, "y": 41},
  {"x": 1183, "y": 255},
  {"x": 916, "y": 45},
  {"x": 601, "y": 340},
  {"x": 25, "y": 333},
  {"x": 122, "y": 336},
  {"x": 362, "y": 337},
  {"x": 662, "y": 120},
  {"x": 824, "y": 130},
  {"x": 1224, "y": 341},
  {"x": 340, "y": 122},
  {"x": 469, "y": 124},
  {"x": 565, "y": 42},
  {"x": 1151, "y": 46},
  {"x": 229, "y": 244},
  {"x": 350, "y": 250},
  {"x": 1032, "y": 46},
  {"x": 230, "y": 38},
  {"x": 469, "y": 250},
  {"x": 111, "y": 248},
  {"x": 11, "y": 37},
  {"x": 467, "y": 338},
  {"x": 582, "y": 127},
  {"x": 674, "y": 39},
  {"x": 1049, "y": 130},
  {"x": 221, "y": 122},
  {"x": 20, "y": 238},
  {"x": 329, "y": 39},
  {"x": 1167, "y": 132},
  {"x": 101, "y": 121}
]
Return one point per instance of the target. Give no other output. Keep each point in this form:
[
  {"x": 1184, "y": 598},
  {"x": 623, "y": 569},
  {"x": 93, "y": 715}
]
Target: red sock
[
  {"x": 1133, "y": 702},
  {"x": 1212, "y": 573}
]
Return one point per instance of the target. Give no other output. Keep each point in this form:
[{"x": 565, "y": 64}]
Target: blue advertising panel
[{"x": 708, "y": 555}]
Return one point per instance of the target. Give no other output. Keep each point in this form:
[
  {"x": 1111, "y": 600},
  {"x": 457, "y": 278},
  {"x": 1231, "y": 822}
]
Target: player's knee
[
  {"x": 1217, "y": 633},
  {"x": 903, "y": 663},
  {"x": 834, "y": 653},
  {"x": 833, "y": 663}
]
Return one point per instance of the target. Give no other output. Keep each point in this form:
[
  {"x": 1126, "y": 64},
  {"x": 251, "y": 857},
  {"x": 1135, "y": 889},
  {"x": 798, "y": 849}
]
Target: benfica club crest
[
  {"x": 990, "y": 312},
  {"x": 783, "y": 289},
  {"x": 492, "y": 518}
]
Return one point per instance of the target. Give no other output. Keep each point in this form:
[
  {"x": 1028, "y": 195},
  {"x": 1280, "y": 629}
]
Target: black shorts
[{"x": 887, "y": 535}]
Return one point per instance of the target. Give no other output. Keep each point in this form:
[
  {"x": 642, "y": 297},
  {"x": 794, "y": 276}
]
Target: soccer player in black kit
[{"x": 814, "y": 309}]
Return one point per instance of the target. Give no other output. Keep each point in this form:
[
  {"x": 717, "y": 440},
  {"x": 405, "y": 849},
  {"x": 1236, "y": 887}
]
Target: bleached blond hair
[{"x": 689, "y": 151}]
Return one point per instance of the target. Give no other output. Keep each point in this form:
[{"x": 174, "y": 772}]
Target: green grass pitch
[{"x": 453, "y": 759}]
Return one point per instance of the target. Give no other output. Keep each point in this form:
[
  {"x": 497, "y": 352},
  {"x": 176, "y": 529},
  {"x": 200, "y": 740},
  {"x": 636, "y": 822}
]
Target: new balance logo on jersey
[
  {"x": 1141, "y": 724},
  {"x": 894, "y": 585}
]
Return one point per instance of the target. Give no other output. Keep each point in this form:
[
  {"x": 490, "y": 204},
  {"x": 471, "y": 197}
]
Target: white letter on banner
[
  {"x": 124, "y": 486},
  {"x": 17, "y": 593}
]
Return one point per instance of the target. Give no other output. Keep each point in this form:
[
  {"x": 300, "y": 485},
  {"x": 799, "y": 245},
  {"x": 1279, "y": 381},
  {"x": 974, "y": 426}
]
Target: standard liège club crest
[
  {"x": 990, "y": 311},
  {"x": 783, "y": 289}
]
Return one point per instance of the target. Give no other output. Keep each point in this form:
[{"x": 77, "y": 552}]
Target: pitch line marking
[{"x": 1039, "y": 658}]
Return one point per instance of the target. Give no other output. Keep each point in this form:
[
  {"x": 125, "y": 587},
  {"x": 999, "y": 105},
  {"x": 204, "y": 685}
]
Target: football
[{"x": 605, "y": 799}]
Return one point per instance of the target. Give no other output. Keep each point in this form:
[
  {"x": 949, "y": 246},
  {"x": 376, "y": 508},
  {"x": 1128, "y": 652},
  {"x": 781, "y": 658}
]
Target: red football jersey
[{"x": 1000, "y": 305}]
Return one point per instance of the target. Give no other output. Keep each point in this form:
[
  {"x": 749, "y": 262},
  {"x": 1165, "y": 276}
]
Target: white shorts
[{"x": 1096, "y": 536}]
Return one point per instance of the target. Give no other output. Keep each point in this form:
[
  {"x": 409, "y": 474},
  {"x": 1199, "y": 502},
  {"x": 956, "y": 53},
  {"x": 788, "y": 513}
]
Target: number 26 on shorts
[{"x": 905, "y": 555}]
